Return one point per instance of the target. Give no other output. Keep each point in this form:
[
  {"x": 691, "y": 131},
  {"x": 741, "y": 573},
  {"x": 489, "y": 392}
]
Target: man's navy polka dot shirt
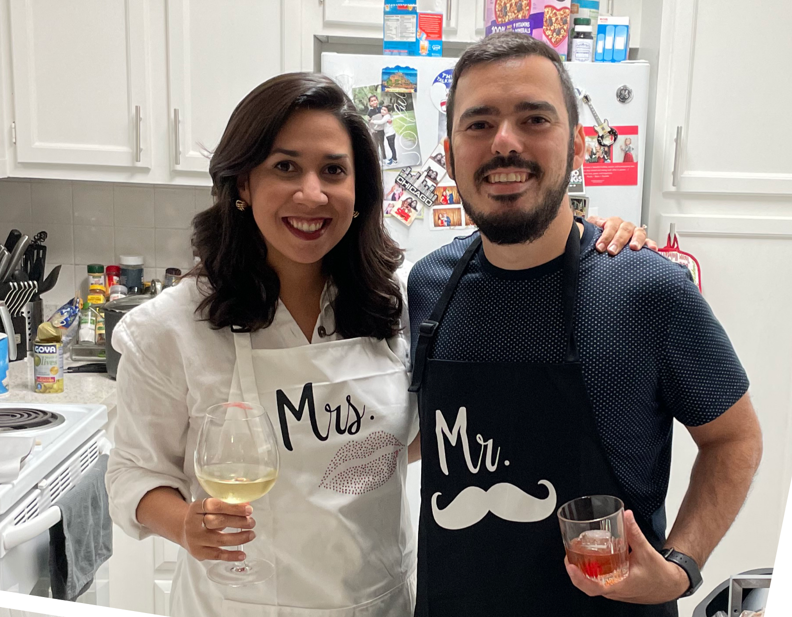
[{"x": 651, "y": 350}]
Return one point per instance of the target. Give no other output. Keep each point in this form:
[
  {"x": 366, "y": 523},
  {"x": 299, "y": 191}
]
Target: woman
[{"x": 296, "y": 304}]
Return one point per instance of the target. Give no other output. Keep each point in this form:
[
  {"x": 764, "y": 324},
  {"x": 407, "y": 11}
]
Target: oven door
[{"x": 24, "y": 530}]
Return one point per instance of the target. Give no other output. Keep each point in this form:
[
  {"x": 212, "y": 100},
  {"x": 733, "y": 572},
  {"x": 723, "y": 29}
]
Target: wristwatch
[{"x": 689, "y": 565}]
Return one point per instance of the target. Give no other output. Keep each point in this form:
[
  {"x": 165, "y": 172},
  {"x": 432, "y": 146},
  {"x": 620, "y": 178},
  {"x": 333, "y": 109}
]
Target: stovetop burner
[{"x": 27, "y": 418}]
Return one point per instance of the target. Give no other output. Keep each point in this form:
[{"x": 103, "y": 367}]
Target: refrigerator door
[
  {"x": 619, "y": 94},
  {"x": 351, "y": 71}
]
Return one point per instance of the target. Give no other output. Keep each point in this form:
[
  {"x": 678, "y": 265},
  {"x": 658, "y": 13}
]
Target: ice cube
[{"x": 596, "y": 539}]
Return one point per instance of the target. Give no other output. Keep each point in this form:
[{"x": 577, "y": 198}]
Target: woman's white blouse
[{"x": 173, "y": 363}]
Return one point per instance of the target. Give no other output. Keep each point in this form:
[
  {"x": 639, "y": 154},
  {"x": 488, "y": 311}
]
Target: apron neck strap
[
  {"x": 428, "y": 328},
  {"x": 571, "y": 272},
  {"x": 244, "y": 366}
]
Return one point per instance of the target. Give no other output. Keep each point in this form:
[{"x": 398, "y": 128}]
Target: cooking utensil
[
  {"x": 5, "y": 260},
  {"x": 17, "y": 294},
  {"x": 8, "y": 328},
  {"x": 13, "y": 237},
  {"x": 50, "y": 281},
  {"x": 93, "y": 367},
  {"x": 16, "y": 257}
]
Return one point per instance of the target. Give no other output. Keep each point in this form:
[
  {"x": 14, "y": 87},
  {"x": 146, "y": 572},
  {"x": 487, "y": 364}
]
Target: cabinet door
[
  {"x": 723, "y": 96},
  {"x": 353, "y": 12},
  {"x": 81, "y": 89},
  {"x": 165, "y": 553},
  {"x": 217, "y": 53}
]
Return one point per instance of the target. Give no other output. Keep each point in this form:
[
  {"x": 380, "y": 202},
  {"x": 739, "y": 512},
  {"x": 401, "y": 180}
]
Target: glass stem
[{"x": 239, "y": 566}]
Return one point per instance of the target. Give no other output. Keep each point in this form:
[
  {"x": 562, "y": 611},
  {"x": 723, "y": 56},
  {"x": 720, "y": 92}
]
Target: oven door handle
[
  {"x": 52, "y": 516},
  {"x": 29, "y": 530}
]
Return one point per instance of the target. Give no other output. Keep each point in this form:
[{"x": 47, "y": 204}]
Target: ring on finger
[
  {"x": 203, "y": 506},
  {"x": 644, "y": 228}
]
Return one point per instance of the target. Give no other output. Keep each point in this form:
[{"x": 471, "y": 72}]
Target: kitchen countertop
[{"x": 79, "y": 388}]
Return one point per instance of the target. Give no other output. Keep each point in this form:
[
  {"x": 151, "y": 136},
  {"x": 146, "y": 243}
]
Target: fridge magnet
[
  {"x": 390, "y": 117},
  {"x": 439, "y": 90},
  {"x": 406, "y": 210},
  {"x": 418, "y": 184},
  {"x": 447, "y": 217},
  {"x": 580, "y": 205},
  {"x": 577, "y": 183},
  {"x": 615, "y": 164},
  {"x": 438, "y": 156},
  {"x": 447, "y": 196},
  {"x": 672, "y": 251},
  {"x": 399, "y": 79}
]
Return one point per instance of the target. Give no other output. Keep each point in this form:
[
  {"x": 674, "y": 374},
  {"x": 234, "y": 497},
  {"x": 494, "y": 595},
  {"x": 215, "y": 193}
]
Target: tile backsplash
[{"x": 95, "y": 222}]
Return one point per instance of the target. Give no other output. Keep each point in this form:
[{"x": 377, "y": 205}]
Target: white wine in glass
[{"x": 236, "y": 461}]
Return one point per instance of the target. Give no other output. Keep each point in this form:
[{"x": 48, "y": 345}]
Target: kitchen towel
[{"x": 83, "y": 539}]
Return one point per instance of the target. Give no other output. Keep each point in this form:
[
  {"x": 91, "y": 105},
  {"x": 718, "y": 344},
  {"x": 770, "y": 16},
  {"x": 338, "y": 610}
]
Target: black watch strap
[{"x": 689, "y": 565}]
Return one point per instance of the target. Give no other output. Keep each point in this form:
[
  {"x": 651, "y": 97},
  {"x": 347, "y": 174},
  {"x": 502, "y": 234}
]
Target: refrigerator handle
[
  {"x": 677, "y": 147},
  {"x": 449, "y": 7}
]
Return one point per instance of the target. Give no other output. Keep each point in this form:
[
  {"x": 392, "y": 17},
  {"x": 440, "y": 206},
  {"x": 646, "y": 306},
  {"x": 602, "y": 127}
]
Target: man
[
  {"x": 377, "y": 129},
  {"x": 546, "y": 371}
]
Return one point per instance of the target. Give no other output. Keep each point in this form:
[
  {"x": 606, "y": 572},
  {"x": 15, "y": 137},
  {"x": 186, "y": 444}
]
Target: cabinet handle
[
  {"x": 178, "y": 138},
  {"x": 677, "y": 146},
  {"x": 449, "y": 7},
  {"x": 138, "y": 119}
]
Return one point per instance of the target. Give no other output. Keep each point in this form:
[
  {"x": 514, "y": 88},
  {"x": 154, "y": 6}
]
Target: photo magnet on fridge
[
  {"x": 577, "y": 183},
  {"x": 390, "y": 117},
  {"x": 399, "y": 79}
]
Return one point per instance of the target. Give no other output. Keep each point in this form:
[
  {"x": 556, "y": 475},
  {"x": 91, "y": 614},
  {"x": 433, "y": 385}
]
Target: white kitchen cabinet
[
  {"x": 731, "y": 209},
  {"x": 81, "y": 92},
  {"x": 726, "y": 131},
  {"x": 133, "y": 90},
  {"x": 217, "y": 53}
]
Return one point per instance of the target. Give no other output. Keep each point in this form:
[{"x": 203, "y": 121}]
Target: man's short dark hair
[{"x": 504, "y": 46}]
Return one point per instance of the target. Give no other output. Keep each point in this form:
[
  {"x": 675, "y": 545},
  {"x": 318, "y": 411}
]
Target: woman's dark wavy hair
[{"x": 242, "y": 288}]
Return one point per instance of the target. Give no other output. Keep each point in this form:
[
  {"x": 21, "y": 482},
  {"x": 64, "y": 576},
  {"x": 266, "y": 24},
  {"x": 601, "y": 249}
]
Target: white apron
[{"x": 336, "y": 525}]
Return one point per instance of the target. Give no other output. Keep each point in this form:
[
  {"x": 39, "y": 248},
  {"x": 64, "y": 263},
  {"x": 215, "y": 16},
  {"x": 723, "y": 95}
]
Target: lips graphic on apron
[{"x": 362, "y": 466}]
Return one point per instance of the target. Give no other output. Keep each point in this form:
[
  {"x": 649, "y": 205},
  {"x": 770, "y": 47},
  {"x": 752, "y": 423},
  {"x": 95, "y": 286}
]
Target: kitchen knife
[
  {"x": 16, "y": 257},
  {"x": 5, "y": 259},
  {"x": 12, "y": 239},
  {"x": 50, "y": 281}
]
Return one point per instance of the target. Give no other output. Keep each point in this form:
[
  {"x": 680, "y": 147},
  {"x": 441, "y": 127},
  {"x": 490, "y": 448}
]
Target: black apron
[{"x": 523, "y": 425}]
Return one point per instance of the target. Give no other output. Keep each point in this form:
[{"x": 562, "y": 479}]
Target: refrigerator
[
  {"x": 612, "y": 175},
  {"x": 618, "y": 92}
]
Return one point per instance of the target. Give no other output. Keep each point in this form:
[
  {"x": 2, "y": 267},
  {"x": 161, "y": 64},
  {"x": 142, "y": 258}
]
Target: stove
[
  {"x": 59, "y": 431},
  {"x": 68, "y": 441},
  {"x": 23, "y": 420}
]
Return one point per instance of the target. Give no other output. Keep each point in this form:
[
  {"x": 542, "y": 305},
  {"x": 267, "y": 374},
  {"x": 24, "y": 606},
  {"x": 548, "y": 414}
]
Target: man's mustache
[
  {"x": 506, "y": 162},
  {"x": 503, "y": 500}
]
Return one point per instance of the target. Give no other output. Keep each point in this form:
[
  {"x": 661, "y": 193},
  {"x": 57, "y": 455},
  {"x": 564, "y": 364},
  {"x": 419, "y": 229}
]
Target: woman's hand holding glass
[
  {"x": 236, "y": 462},
  {"x": 203, "y": 529}
]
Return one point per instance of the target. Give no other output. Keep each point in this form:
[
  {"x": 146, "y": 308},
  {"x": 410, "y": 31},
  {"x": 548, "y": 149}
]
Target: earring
[
  {"x": 356, "y": 214},
  {"x": 241, "y": 204}
]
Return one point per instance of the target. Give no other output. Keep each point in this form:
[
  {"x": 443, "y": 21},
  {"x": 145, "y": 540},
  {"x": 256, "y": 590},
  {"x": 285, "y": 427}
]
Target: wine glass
[{"x": 236, "y": 461}]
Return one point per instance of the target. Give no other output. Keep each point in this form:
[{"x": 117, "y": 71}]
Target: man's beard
[{"x": 519, "y": 226}]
